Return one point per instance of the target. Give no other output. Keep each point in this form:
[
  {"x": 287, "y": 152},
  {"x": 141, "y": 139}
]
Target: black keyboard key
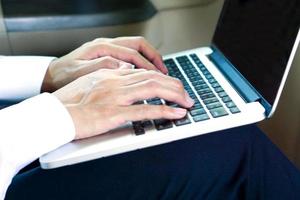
[
  {"x": 198, "y": 82},
  {"x": 202, "y": 68},
  {"x": 174, "y": 105},
  {"x": 139, "y": 102},
  {"x": 211, "y": 100},
  {"x": 234, "y": 110},
  {"x": 206, "y": 72},
  {"x": 161, "y": 124},
  {"x": 188, "y": 88},
  {"x": 201, "y": 86},
  {"x": 191, "y": 93},
  {"x": 169, "y": 61},
  {"x": 139, "y": 131},
  {"x": 208, "y": 76},
  {"x": 215, "y": 85},
  {"x": 204, "y": 91},
  {"x": 147, "y": 124},
  {"x": 219, "y": 89},
  {"x": 193, "y": 96},
  {"x": 199, "y": 118},
  {"x": 207, "y": 96},
  {"x": 230, "y": 104},
  {"x": 196, "y": 106},
  {"x": 154, "y": 101},
  {"x": 181, "y": 58},
  {"x": 212, "y": 80},
  {"x": 214, "y": 105},
  {"x": 197, "y": 112},
  {"x": 138, "y": 128},
  {"x": 183, "y": 121},
  {"x": 218, "y": 112},
  {"x": 226, "y": 99},
  {"x": 222, "y": 94},
  {"x": 191, "y": 70}
]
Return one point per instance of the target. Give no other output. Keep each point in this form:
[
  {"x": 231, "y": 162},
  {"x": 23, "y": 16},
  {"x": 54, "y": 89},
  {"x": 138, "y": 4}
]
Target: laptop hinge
[{"x": 242, "y": 86}]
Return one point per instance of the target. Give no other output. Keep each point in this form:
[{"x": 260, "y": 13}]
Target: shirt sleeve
[
  {"x": 21, "y": 77},
  {"x": 28, "y": 130}
]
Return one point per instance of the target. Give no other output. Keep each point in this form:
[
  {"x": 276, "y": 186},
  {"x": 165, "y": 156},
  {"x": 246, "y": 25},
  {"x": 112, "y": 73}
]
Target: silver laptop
[{"x": 236, "y": 81}]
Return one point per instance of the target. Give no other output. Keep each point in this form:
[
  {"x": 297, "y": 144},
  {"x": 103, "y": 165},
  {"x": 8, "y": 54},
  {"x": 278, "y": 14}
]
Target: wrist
[{"x": 48, "y": 85}]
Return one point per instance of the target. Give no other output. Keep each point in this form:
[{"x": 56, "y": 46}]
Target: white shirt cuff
[{"x": 21, "y": 77}]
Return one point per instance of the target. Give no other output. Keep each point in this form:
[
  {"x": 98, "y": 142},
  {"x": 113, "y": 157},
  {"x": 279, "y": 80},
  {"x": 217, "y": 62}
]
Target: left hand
[{"x": 102, "y": 53}]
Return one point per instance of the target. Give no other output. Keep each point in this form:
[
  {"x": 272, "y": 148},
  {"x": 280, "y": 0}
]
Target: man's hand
[
  {"x": 103, "y": 100},
  {"x": 99, "y": 54}
]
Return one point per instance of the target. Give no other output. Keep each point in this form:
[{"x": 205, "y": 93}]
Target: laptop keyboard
[{"x": 203, "y": 84}]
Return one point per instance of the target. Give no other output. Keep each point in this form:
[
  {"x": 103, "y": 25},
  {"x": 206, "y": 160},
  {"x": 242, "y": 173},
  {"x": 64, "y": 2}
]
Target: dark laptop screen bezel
[{"x": 223, "y": 33}]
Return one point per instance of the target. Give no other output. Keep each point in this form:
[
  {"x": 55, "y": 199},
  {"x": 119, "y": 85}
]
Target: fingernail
[
  {"x": 165, "y": 69},
  {"x": 180, "y": 112},
  {"x": 189, "y": 99}
]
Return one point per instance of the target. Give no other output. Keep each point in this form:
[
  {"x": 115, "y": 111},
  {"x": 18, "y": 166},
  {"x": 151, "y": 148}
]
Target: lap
[{"x": 234, "y": 164}]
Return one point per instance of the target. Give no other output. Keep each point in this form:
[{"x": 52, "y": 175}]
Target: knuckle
[
  {"x": 134, "y": 53},
  {"x": 152, "y": 84},
  {"x": 107, "y": 59},
  {"x": 163, "y": 110},
  {"x": 153, "y": 74},
  {"x": 104, "y": 70},
  {"x": 179, "y": 85}
]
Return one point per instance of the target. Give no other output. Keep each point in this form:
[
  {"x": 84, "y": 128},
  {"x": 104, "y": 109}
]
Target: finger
[
  {"x": 122, "y": 53},
  {"x": 106, "y": 62},
  {"x": 141, "y": 45},
  {"x": 126, "y": 66},
  {"x": 147, "y": 75},
  {"x": 149, "y": 112},
  {"x": 112, "y": 63},
  {"x": 151, "y": 89},
  {"x": 125, "y": 71},
  {"x": 113, "y": 72}
]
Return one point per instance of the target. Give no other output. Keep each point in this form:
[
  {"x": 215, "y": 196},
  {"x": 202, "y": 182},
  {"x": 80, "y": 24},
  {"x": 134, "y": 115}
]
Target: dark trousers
[{"x": 240, "y": 163}]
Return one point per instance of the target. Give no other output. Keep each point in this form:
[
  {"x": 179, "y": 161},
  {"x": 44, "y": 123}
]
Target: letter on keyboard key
[{"x": 218, "y": 112}]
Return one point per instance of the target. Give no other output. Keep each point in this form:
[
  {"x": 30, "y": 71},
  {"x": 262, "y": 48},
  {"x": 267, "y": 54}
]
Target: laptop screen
[{"x": 257, "y": 37}]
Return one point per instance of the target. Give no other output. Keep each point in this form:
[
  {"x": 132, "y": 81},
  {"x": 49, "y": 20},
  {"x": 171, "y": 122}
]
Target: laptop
[{"x": 235, "y": 81}]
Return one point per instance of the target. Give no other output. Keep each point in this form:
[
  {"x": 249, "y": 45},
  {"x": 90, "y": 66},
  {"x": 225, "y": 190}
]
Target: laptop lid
[{"x": 259, "y": 38}]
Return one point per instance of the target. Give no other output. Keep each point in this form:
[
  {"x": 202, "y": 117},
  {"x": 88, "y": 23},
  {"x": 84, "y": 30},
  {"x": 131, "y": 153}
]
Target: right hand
[
  {"x": 104, "y": 100},
  {"x": 102, "y": 53}
]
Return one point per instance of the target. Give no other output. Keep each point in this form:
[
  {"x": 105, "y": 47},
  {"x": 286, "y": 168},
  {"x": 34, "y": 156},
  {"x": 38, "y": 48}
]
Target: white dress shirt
[{"x": 33, "y": 127}]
